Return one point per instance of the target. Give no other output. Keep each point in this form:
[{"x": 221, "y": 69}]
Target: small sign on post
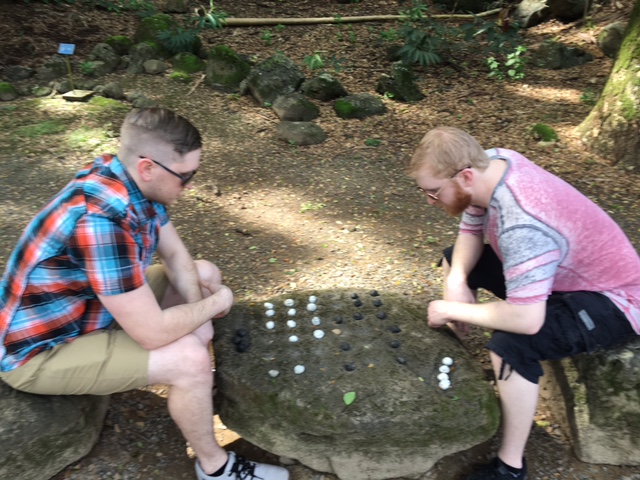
[{"x": 74, "y": 95}]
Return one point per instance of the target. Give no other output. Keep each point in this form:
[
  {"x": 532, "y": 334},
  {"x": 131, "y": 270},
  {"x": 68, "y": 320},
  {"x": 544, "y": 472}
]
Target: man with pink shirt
[{"x": 567, "y": 276}]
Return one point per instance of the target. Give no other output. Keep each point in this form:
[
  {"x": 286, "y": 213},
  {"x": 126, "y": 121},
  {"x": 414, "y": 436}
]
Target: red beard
[{"x": 461, "y": 201}]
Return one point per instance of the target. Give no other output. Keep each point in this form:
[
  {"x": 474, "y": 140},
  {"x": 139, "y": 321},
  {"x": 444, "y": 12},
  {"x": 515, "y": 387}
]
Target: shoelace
[{"x": 244, "y": 469}]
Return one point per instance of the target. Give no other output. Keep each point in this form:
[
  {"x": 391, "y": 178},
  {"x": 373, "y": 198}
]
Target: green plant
[
  {"x": 314, "y": 61},
  {"x": 279, "y": 28},
  {"x": 178, "y": 39},
  {"x": 336, "y": 63},
  {"x": 390, "y": 35},
  {"x": 513, "y": 67},
  {"x": 266, "y": 36},
  {"x": 589, "y": 97},
  {"x": 372, "y": 142},
  {"x": 87, "y": 68},
  {"x": 305, "y": 207}
]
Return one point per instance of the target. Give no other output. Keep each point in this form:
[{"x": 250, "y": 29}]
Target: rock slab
[
  {"x": 601, "y": 395},
  {"x": 42, "y": 434},
  {"x": 376, "y": 347}
]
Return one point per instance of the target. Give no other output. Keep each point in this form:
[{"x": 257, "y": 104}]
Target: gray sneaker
[{"x": 240, "y": 469}]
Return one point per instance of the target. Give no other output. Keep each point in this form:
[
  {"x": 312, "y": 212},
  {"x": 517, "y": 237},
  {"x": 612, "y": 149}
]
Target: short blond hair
[
  {"x": 146, "y": 131},
  {"x": 447, "y": 150}
]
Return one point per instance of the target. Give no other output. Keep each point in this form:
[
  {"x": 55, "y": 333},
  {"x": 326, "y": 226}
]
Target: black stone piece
[
  {"x": 236, "y": 339},
  {"x": 345, "y": 346},
  {"x": 377, "y": 302},
  {"x": 358, "y": 316},
  {"x": 395, "y": 329},
  {"x": 394, "y": 343},
  {"x": 357, "y": 303},
  {"x": 243, "y": 346},
  {"x": 242, "y": 332},
  {"x": 401, "y": 360},
  {"x": 381, "y": 315},
  {"x": 374, "y": 293},
  {"x": 350, "y": 367},
  {"x": 354, "y": 295},
  {"x": 338, "y": 320}
]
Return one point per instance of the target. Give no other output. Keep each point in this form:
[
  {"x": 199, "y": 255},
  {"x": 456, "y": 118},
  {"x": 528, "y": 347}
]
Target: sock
[
  {"x": 220, "y": 471},
  {"x": 515, "y": 472}
]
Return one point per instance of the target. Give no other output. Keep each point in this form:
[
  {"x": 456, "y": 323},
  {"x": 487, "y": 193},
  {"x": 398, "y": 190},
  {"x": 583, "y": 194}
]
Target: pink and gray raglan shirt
[{"x": 552, "y": 238}]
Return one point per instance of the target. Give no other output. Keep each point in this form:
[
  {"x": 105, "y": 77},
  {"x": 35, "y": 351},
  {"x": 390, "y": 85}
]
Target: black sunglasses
[{"x": 184, "y": 177}]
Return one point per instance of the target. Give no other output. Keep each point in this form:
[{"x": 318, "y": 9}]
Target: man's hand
[{"x": 223, "y": 298}]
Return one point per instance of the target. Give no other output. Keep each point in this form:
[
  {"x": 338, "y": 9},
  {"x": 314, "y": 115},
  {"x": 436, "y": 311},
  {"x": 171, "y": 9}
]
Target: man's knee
[
  {"x": 186, "y": 361},
  {"x": 208, "y": 272}
]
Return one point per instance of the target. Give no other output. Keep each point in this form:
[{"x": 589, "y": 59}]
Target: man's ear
[{"x": 144, "y": 167}]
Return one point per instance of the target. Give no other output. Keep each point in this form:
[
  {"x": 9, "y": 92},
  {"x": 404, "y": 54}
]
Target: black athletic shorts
[{"x": 575, "y": 322}]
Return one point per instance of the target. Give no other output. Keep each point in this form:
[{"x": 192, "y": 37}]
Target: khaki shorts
[{"x": 98, "y": 363}]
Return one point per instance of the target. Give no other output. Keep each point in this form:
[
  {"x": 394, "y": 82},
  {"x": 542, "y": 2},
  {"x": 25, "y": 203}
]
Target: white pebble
[
  {"x": 313, "y": 299},
  {"x": 274, "y": 373},
  {"x": 270, "y": 313},
  {"x": 293, "y": 338},
  {"x": 443, "y": 376},
  {"x": 444, "y": 369},
  {"x": 298, "y": 369},
  {"x": 315, "y": 321},
  {"x": 270, "y": 325},
  {"x": 268, "y": 306},
  {"x": 289, "y": 302},
  {"x": 447, "y": 361},
  {"x": 291, "y": 312},
  {"x": 291, "y": 323},
  {"x": 318, "y": 334},
  {"x": 444, "y": 384},
  {"x": 312, "y": 307}
]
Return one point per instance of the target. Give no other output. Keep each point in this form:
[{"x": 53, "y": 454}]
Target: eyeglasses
[
  {"x": 184, "y": 177},
  {"x": 434, "y": 196}
]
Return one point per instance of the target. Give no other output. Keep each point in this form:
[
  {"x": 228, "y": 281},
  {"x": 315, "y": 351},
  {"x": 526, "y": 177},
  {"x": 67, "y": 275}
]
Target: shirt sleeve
[
  {"x": 472, "y": 221},
  {"x": 530, "y": 259},
  {"x": 108, "y": 254}
]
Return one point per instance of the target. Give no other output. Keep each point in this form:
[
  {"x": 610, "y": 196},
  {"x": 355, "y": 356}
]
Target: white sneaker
[{"x": 240, "y": 469}]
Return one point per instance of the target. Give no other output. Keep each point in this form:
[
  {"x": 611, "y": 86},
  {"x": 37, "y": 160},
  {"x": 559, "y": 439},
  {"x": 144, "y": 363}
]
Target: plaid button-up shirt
[{"x": 96, "y": 236}]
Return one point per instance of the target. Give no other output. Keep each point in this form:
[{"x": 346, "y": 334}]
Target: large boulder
[
  {"x": 295, "y": 107},
  {"x": 555, "y": 56},
  {"x": 42, "y": 434},
  {"x": 399, "y": 84},
  {"x": 567, "y": 10},
  {"x": 360, "y": 105},
  {"x": 368, "y": 404},
  {"x": 300, "y": 133},
  {"x": 600, "y": 394},
  {"x": 105, "y": 53},
  {"x": 275, "y": 76},
  {"x": 225, "y": 69},
  {"x": 610, "y": 38},
  {"x": 529, "y": 13},
  {"x": 324, "y": 87},
  {"x": 140, "y": 54}
]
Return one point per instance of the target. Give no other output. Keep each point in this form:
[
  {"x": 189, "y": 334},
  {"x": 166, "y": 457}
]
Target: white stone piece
[
  {"x": 270, "y": 325},
  {"x": 298, "y": 369},
  {"x": 312, "y": 307},
  {"x": 447, "y": 361},
  {"x": 289, "y": 302},
  {"x": 291, "y": 323},
  {"x": 270, "y": 313},
  {"x": 293, "y": 338},
  {"x": 444, "y": 384},
  {"x": 444, "y": 369},
  {"x": 274, "y": 373},
  {"x": 313, "y": 299},
  {"x": 443, "y": 376},
  {"x": 291, "y": 312},
  {"x": 315, "y": 321},
  {"x": 318, "y": 334},
  {"x": 268, "y": 306}
]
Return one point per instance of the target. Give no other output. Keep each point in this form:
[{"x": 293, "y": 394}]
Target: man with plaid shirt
[{"x": 83, "y": 311}]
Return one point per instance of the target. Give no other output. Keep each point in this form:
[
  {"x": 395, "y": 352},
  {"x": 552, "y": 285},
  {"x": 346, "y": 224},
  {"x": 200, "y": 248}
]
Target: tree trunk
[{"x": 612, "y": 129}]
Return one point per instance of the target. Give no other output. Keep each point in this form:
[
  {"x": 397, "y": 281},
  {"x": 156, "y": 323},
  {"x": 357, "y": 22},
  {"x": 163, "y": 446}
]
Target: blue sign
[{"x": 66, "y": 48}]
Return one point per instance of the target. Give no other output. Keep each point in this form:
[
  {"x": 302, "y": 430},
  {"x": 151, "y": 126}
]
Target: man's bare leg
[{"x": 519, "y": 399}]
